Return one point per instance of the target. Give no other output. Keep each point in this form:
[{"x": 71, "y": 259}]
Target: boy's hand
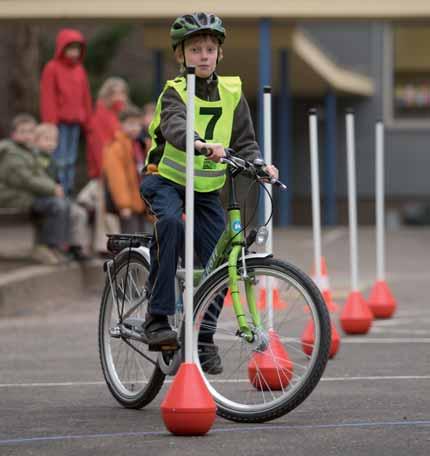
[
  {"x": 216, "y": 151},
  {"x": 59, "y": 192},
  {"x": 125, "y": 213},
  {"x": 273, "y": 171}
]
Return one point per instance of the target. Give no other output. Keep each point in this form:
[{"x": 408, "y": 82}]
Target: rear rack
[{"x": 118, "y": 242}]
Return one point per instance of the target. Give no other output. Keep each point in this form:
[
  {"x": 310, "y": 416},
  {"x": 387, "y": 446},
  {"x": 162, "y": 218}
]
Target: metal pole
[
  {"x": 265, "y": 75},
  {"x": 285, "y": 157},
  {"x": 189, "y": 224},
  {"x": 267, "y": 206},
  {"x": 352, "y": 199},
  {"x": 330, "y": 159},
  {"x": 379, "y": 186},
  {"x": 158, "y": 73},
  {"x": 316, "y": 210}
]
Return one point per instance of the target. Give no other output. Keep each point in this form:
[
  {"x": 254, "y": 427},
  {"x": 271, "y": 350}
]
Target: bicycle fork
[{"x": 244, "y": 329}]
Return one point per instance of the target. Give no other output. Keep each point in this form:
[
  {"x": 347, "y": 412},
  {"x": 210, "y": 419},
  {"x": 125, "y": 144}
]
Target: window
[{"x": 410, "y": 94}]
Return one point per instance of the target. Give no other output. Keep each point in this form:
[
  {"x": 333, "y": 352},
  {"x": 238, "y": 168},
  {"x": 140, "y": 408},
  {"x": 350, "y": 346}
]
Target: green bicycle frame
[{"x": 229, "y": 248}]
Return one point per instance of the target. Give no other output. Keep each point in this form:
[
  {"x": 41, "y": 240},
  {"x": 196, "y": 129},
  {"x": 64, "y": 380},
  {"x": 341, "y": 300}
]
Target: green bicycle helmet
[{"x": 192, "y": 24}]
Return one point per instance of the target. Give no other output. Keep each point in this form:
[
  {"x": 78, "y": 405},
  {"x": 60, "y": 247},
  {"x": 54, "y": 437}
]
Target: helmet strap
[{"x": 183, "y": 53}]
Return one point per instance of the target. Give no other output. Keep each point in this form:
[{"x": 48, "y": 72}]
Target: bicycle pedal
[{"x": 163, "y": 347}]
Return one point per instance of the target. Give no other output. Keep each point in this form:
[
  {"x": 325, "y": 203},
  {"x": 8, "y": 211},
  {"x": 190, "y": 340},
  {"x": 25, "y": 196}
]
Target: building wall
[{"x": 407, "y": 150}]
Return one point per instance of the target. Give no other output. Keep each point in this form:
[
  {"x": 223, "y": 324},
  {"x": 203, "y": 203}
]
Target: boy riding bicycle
[{"x": 222, "y": 121}]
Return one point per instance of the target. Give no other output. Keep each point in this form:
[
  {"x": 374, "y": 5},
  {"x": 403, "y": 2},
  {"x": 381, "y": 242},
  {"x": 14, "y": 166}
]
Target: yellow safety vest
[{"x": 213, "y": 122}]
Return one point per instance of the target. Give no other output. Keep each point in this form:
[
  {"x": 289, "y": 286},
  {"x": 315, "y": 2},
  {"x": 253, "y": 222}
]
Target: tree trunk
[{"x": 24, "y": 84}]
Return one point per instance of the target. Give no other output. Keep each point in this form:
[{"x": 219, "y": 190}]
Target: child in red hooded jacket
[{"x": 65, "y": 100}]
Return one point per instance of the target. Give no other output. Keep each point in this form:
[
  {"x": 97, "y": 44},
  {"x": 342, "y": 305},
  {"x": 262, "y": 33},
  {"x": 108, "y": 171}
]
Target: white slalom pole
[
  {"x": 379, "y": 186},
  {"x": 316, "y": 211},
  {"x": 189, "y": 223},
  {"x": 352, "y": 199},
  {"x": 267, "y": 105}
]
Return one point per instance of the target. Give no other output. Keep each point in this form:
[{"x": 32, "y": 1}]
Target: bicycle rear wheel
[
  {"x": 248, "y": 390},
  {"x": 131, "y": 372}
]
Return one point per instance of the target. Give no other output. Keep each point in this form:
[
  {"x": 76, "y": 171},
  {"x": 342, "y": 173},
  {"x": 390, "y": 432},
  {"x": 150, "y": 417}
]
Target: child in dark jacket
[
  {"x": 65, "y": 100},
  {"x": 25, "y": 185},
  {"x": 45, "y": 142},
  {"x": 122, "y": 163}
]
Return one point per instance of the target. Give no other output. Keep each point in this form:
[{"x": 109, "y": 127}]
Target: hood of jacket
[{"x": 66, "y": 37}]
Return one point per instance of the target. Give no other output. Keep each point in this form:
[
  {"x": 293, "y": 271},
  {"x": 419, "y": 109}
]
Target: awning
[{"x": 292, "y": 9}]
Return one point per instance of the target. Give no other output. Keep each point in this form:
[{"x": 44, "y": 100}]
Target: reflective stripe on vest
[{"x": 214, "y": 123}]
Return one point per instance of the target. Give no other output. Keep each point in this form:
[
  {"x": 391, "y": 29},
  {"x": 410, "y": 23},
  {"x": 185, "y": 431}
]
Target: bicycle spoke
[{"x": 273, "y": 378}]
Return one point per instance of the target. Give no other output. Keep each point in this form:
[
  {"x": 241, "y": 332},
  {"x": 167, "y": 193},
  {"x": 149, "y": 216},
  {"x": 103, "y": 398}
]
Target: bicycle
[{"x": 231, "y": 296}]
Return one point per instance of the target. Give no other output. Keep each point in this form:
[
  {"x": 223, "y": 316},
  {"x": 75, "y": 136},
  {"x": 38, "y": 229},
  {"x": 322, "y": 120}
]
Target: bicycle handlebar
[{"x": 257, "y": 167}]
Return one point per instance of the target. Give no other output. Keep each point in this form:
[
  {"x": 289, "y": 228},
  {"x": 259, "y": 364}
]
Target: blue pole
[
  {"x": 158, "y": 73},
  {"x": 285, "y": 154},
  {"x": 265, "y": 76},
  {"x": 330, "y": 212}
]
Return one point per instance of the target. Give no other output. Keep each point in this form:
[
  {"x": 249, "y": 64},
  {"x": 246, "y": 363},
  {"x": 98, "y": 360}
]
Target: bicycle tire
[
  {"x": 155, "y": 381},
  {"x": 233, "y": 411}
]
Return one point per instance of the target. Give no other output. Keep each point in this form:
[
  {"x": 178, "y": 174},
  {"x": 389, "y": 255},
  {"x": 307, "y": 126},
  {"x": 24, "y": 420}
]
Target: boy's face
[
  {"x": 47, "y": 141},
  {"x": 202, "y": 53},
  {"x": 73, "y": 51},
  {"x": 132, "y": 127},
  {"x": 24, "y": 133},
  {"x": 118, "y": 97}
]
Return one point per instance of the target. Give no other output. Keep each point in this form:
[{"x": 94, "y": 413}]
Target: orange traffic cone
[
  {"x": 324, "y": 285},
  {"x": 228, "y": 300},
  {"x": 381, "y": 301},
  {"x": 278, "y": 303},
  {"x": 271, "y": 369},
  {"x": 188, "y": 410},
  {"x": 356, "y": 317},
  {"x": 308, "y": 339},
  {"x": 308, "y": 336}
]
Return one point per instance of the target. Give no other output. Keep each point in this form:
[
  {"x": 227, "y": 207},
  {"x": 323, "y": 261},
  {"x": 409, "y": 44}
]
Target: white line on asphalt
[
  {"x": 329, "y": 237},
  {"x": 409, "y": 332},
  {"x": 240, "y": 380},
  {"x": 333, "y": 235},
  {"x": 386, "y": 340}
]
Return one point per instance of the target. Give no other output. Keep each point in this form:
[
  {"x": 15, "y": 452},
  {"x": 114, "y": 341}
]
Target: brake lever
[{"x": 267, "y": 179}]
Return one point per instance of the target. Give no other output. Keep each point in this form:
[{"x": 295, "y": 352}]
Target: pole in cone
[
  {"x": 356, "y": 317},
  {"x": 188, "y": 408},
  {"x": 278, "y": 303},
  {"x": 228, "y": 300},
  {"x": 324, "y": 285},
  {"x": 381, "y": 300},
  {"x": 271, "y": 369},
  {"x": 320, "y": 266},
  {"x": 308, "y": 339}
]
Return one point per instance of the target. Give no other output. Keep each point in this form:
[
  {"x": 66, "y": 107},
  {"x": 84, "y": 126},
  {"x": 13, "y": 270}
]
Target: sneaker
[
  {"x": 210, "y": 361},
  {"x": 44, "y": 255},
  {"x": 61, "y": 256},
  {"x": 77, "y": 253},
  {"x": 158, "y": 334}
]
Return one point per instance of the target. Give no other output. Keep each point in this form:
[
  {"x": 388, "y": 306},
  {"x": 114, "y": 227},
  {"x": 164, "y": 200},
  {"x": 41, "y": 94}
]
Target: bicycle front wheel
[
  {"x": 264, "y": 379},
  {"x": 132, "y": 373}
]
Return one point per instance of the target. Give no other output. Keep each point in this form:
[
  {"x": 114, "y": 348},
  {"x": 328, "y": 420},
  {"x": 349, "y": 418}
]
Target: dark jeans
[
  {"x": 66, "y": 154},
  {"x": 53, "y": 220},
  {"x": 167, "y": 201}
]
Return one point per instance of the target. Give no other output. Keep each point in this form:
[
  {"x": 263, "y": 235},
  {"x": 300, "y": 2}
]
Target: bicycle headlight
[{"x": 262, "y": 235}]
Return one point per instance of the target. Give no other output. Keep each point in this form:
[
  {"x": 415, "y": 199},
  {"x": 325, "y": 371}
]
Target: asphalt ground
[{"x": 374, "y": 398}]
